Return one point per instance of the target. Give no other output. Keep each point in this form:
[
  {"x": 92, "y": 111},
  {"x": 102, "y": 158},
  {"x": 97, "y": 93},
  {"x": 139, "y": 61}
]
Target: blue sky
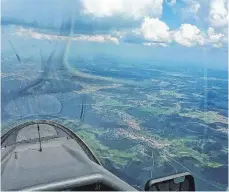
[{"x": 183, "y": 29}]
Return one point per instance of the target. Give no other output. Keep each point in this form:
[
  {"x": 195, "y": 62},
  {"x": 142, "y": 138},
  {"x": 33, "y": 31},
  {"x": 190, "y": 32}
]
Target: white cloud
[
  {"x": 218, "y": 14},
  {"x": 131, "y": 8},
  {"x": 155, "y": 44},
  {"x": 213, "y": 36},
  {"x": 97, "y": 38},
  {"x": 152, "y": 30},
  {"x": 216, "y": 39},
  {"x": 155, "y": 30},
  {"x": 206, "y": 13},
  {"x": 188, "y": 35},
  {"x": 90, "y": 38}
]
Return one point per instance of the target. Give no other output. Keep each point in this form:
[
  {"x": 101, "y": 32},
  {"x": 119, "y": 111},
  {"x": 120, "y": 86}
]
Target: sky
[{"x": 183, "y": 29}]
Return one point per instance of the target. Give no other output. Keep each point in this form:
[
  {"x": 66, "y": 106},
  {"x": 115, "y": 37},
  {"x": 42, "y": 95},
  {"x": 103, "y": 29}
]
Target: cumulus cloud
[
  {"x": 155, "y": 30},
  {"x": 218, "y": 14},
  {"x": 43, "y": 10},
  {"x": 188, "y": 35},
  {"x": 128, "y": 21},
  {"x": 216, "y": 39},
  {"x": 130, "y": 8},
  {"x": 91, "y": 16},
  {"x": 206, "y": 13},
  {"x": 213, "y": 36}
]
